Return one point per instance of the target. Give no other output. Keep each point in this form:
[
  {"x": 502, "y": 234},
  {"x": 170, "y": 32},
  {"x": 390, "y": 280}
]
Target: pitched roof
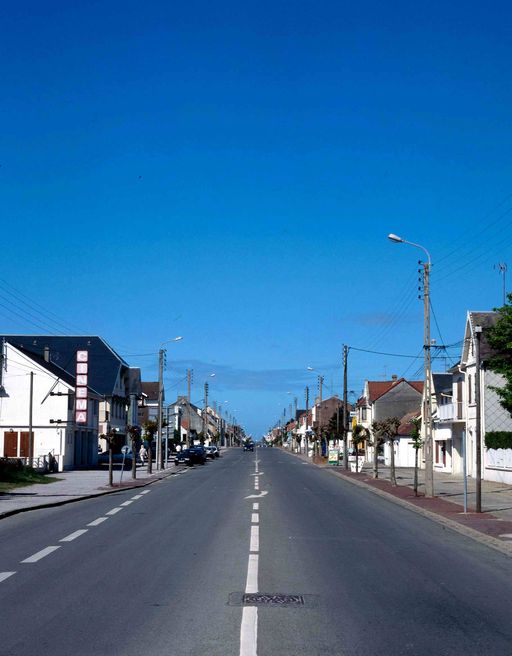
[
  {"x": 52, "y": 368},
  {"x": 484, "y": 320},
  {"x": 378, "y": 388},
  {"x": 104, "y": 362},
  {"x": 406, "y": 424},
  {"x": 150, "y": 389}
]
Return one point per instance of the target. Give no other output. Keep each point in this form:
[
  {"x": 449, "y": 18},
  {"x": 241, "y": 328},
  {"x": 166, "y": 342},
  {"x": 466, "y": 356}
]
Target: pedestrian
[{"x": 143, "y": 454}]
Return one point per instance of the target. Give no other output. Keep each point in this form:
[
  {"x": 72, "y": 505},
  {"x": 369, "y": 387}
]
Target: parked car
[
  {"x": 248, "y": 446},
  {"x": 193, "y": 456},
  {"x": 212, "y": 451},
  {"x": 117, "y": 459}
]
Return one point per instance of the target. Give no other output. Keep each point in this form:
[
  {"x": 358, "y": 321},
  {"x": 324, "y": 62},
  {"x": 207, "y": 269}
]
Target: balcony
[{"x": 450, "y": 412}]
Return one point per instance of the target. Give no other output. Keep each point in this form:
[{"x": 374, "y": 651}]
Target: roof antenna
[{"x": 502, "y": 268}]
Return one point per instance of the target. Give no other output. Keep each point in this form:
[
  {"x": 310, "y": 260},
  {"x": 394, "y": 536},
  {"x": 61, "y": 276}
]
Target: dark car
[
  {"x": 248, "y": 446},
  {"x": 193, "y": 456},
  {"x": 117, "y": 459}
]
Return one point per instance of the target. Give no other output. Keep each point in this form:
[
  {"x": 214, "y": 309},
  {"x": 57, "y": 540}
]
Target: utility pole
[
  {"x": 320, "y": 390},
  {"x": 159, "y": 464},
  {"x": 427, "y": 401},
  {"x": 345, "y": 436},
  {"x": 307, "y": 422},
  {"x": 30, "y": 422},
  {"x": 205, "y": 413},
  {"x": 189, "y": 381},
  {"x": 478, "y": 420}
]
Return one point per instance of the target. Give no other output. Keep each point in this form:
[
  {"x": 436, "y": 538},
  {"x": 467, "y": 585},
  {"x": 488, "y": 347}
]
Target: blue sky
[{"x": 229, "y": 172}]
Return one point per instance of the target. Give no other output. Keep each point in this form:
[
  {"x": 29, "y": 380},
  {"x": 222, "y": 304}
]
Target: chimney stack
[{"x": 47, "y": 354}]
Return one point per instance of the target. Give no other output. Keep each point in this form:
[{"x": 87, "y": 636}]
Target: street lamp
[
  {"x": 161, "y": 355},
  {"x": 427, "y": 392}
]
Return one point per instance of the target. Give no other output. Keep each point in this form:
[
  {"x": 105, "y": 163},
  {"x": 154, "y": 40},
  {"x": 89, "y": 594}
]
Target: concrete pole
[
  {"x": 30, "y": 422},
  {"x": 189, "y": 378},
  {"x": 307, "y": 422},
  {"x": 345, "y": 393},
  {"x": 478, "y": 420},
  {"x": 159, "y": 464},
  {"x": 427, "y": 400}
]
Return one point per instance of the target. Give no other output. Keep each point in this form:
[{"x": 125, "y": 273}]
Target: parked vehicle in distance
[
  {"x": 117, "y": 459},
  {"x": 195, "y": 455},
  {"x": 248, "y": 446},
  {"x": 212, "y": 451}
]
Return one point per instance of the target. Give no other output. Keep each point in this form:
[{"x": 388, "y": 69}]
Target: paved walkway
[
  {"x": 74, "y": 485},
  {"x": 492, "y": 526}
]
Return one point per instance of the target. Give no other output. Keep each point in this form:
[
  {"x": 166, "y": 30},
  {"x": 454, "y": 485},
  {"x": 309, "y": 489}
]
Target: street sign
[
  {"x": 334, "y": 456},
  {"x": 125, "y": 450}
]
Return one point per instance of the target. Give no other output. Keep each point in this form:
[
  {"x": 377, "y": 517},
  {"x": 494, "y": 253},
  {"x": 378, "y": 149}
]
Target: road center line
[
  {"x": 249, "y": 631},
  {"x": 73, "y": 536},
  {"x": 146, "y": 492},
  {"x": 255, "y": 519},
  {"x": 5, "y": 575},
  {"x": 98, "y": 521},
  {"x": 252, "y": 574},
  {"x": 113, "y": 511},
  {"x": 255, "y": 506},
  {"x": 127, "y": 503},
  {"x": 137, "y": 496},
  {"x": 255, "y": 539},
  {"x": 40, "y": 554}
]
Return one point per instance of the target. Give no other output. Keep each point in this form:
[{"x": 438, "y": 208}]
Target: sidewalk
[
  {"x": 75, "y": 485},
  {"x": 493, "y": 526}
]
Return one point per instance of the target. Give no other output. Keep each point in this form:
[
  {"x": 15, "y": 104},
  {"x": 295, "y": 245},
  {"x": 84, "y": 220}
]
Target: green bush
[{"x": 498, "y": 440}]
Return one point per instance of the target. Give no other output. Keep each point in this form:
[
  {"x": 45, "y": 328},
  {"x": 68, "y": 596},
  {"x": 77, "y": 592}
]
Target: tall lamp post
[
  {"x": 427, "y": 391},
  {"x": 161, "y": 358},
  {"x": 319, "y": 418}
]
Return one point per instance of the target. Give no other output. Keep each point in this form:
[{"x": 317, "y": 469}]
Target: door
[
  {"x": 25, "y": 444},
  {"x": 10, "y": 444}
]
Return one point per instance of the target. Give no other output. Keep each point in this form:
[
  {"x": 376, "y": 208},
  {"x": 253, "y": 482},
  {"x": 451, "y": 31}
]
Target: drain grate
[{"x": 262, "y": 599}]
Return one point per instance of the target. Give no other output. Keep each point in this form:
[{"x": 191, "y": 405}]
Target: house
[
  {"x": 187, "y": 417},
  {"x": 117, "y": 384},
  {"x": 38, "y": 396},
  {"x": 148, "y": 403},
  {"x": 384, "y": 399}
]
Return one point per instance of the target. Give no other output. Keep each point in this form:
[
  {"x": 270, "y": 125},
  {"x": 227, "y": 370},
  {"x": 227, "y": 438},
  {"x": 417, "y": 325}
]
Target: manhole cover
[{"x": 262, "y": 599}]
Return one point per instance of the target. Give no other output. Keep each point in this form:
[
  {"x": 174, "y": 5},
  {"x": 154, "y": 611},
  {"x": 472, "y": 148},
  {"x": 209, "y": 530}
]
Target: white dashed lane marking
[
  {"x": 74, "y": 536},
  {"x": 255, "y": 506},
  {"x": 255, "y": 519},
  {"x": 40, "y": 554},
  {"x": 5, "y": 575},
  {"x": 98, "y": 521},
  {"x": 113, "y": 511},
  {"x": 127, "y": 503}
]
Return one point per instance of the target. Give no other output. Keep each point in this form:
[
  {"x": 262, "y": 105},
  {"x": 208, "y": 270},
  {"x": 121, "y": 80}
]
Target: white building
[{"x": 50, "y": 409}]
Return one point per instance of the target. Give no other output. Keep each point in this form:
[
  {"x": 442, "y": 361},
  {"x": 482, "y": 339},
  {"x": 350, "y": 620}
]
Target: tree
[
  {"x": 111, "y": 438},
  {"x": 150, "y": 429},
  {"x": 385, "y": 430},
  {"x": 134, "y": 433},
  {"x": 417, "y": 443},
  {"x": 499, "y": 337},
  {"x": 359, "y": 436}
]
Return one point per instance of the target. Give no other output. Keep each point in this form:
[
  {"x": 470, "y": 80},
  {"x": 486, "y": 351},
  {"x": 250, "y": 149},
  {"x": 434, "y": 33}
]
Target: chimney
[
  {"x": 394, "y": 377},
  {"x": 47, "y": 354}
]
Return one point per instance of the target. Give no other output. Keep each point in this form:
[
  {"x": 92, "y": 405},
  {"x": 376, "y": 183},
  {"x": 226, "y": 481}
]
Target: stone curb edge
[
  {"x": 54, "y": 504},
  {"x": 488, "y": 540}
]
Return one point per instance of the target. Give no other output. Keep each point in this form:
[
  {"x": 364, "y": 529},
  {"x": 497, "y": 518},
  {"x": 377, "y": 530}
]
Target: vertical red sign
[{"x": 82, "y": 377}]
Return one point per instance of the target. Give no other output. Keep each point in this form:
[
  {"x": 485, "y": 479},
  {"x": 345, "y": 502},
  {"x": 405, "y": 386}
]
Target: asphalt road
[{"x": 166, "y": 573}]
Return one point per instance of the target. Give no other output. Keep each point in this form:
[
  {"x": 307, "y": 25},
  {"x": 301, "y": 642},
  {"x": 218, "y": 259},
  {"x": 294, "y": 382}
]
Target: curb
[
  {"x": 54, "y": 504},
  {"x": 494, "y": 543}
]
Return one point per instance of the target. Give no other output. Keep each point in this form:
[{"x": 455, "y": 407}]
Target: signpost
[
  {"x": 124, "y": 451},
  {"x": 334, "y": 456}
]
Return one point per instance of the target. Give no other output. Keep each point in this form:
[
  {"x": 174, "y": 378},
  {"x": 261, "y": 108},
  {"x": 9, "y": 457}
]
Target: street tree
[
  {"x": 134, "y": 433},
  {"x": 111, "y": 438},
  {"x": 499, "y": 337},
  {"x": 360, "y": 434},
  {"x": 385, "y": 430},
  {"x": 150, "y": 429},
  {"x": 417, "y": 443}
]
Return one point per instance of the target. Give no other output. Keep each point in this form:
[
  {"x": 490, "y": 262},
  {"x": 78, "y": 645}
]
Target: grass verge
[{"x": 10, "y": 480}]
